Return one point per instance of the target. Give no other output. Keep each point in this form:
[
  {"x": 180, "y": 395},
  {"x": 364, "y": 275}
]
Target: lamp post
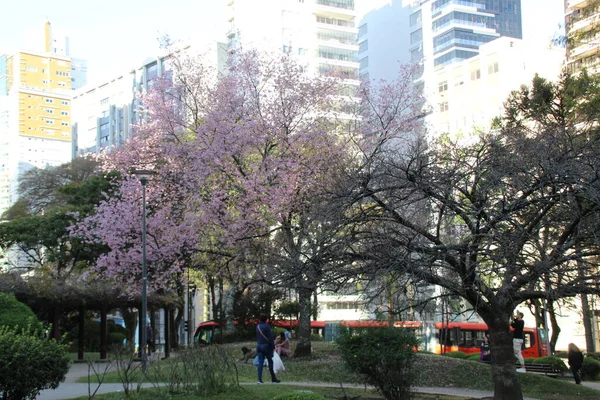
[{"x": 144, "y": 176}]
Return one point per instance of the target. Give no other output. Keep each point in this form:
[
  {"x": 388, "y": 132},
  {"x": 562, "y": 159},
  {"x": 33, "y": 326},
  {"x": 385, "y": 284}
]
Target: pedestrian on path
[
  {"x": 264, "y": 348},
  {"x": 518, "y": 324},
  {"x": 575, "y": 358}
]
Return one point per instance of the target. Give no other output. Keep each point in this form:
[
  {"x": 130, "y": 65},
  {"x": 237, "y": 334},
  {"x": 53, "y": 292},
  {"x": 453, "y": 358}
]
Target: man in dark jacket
[{"x": 264, "y": 348}]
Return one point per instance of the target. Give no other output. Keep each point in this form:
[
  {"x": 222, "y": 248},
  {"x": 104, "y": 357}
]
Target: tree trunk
[
  {"x": 554, "y": 325},
  {"x": 587, "y": 324},
  {"x": 303, "y": 345},
  {"x": 506, "y": 384},
  {"x": 229, "y": 313}
]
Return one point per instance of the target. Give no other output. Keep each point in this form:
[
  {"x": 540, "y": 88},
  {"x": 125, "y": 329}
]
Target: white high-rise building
[{"x": 321, "y": 33}]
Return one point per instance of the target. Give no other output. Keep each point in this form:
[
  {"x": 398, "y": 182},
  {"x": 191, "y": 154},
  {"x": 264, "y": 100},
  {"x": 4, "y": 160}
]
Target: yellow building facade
[{"x": 41, "y": 85}]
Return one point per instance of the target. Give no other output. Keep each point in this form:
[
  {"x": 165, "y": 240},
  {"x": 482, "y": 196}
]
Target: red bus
[{"x": 435, "y": 337}]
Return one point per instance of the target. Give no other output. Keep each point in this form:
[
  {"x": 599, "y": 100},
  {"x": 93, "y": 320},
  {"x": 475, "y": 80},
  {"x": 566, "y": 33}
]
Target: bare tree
[{"x": 494, "y": 220}]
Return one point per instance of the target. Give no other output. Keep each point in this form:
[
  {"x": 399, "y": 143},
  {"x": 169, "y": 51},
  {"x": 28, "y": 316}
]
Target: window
[
  {"x": 49, "y": 111},
  {"x": 493, "y": 68},
  {"x": 416, "y": 36},
  {"x": 49, "y": 100},
  {"x": 45, "y": 82},
  {"x": 30, "y": 69},
  {"x": 49, "y": 121},
  {"x": 104, "y": 101},
  {"x": 444, "y": 106},
  {"x": 476, "y": 74},
  {"x": 64, "y": 113},
  {"x": 64, "y": 102},
  {"x": 64, "y": 123},
  {"x": 415, "y": 18},
  {"x": 442, "y": 86}
]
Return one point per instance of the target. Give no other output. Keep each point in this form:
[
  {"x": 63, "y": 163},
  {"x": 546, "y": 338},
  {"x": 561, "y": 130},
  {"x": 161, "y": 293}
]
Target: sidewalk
[{"x": 69, "y": 389}]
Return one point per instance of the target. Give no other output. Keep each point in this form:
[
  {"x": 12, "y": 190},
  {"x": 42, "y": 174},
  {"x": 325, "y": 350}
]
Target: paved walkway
[{"x": 70, "y": 389}]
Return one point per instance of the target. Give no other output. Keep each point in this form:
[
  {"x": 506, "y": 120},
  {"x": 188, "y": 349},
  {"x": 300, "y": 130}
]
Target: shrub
[
  {"x": 299, "y": 396},
  {"x": 595, "y": 356},
  {"x": 13, "y": 314},
  {"x": 457, "y": 354},
  {"x": 590, "y": 370},
  {"x": 561, "y": 354},
  {"x": 384, "y": 356},
  {"x": 556, "y": 362},
  {"x": 116, "y": 334},
  {"x": 30, "y": 363},
  {"x": 473, "y": 357}
]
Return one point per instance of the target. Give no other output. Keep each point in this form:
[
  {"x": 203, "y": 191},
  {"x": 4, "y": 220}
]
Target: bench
[{"x": 545, "y": 369}]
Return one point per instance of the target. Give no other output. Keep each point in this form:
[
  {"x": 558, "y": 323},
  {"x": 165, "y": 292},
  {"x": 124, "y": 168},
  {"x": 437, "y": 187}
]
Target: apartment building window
[
  {"x": 64, "y": 102},
  {"x": 64, "y": 123},
  {"x": 363, "y": 46},
  {"x": 30, "y": 69},
  {"x": 443, "y": 86},
  {"x": 493, "y": 68},
  {"x": 49, "y": 100},
  {"x": 415, "y": 18},
  {"x": 104, "y": 101},
  {"x": 476, "y": 74},
  {"x": 444, "y": 106},
  {"x": 416, "y": 36},
  {"x": 45, "y": 82},
  {"x": 49, "y": 111},
  {"x": 64, "y": 113},
  {"x": 49, "y": 121},
  {"x": 62, "y": 73}
]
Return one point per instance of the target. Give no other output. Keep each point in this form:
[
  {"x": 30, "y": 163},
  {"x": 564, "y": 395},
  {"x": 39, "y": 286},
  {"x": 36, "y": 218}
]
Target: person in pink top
[{"x": 282, "y": 346}]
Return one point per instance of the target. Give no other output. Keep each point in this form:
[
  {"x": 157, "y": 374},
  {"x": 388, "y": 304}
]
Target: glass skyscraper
[{"x": 449, "y": 31}]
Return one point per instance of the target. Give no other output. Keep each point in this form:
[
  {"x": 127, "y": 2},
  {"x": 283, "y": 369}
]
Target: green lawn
[{"x": 431, "y": 371}]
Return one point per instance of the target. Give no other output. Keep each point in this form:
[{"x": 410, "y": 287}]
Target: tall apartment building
[
  {"x": 35, "y": 111},
  {"x": 104, "y": 113},
  {"x": 472, "y": 92},
  {"x": 445, "y": 32},
  {"x": 321, "y": 33},
  {"x": 582, "y": 26},
  {"x": 383, "y": 39}
]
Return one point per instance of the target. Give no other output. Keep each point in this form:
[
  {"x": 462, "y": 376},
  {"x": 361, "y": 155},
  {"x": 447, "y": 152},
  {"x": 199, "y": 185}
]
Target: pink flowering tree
[{"x": 235, "y": 155}]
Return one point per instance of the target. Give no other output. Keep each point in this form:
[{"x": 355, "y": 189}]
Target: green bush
[
  {"x": 456, "y": 354},
  {"x": 384, "y": 356},
  {"x": 595, "y": 356},
  {"x": 590, "y": 370},
  {"x": 473, "y": 357},
  {"x": 116, "y": 334},
  {"x": 13, "y": 314},
  {"x": 556, "y": 362},
  {"x": 30, "y": 363},
  {"x": 560, "y": 354}
]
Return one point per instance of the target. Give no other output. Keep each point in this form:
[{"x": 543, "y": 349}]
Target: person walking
[
  {"x": 518, "y": 324},
  {"x": 264, "y": 348},
  {"x": 575, "y": 358}
]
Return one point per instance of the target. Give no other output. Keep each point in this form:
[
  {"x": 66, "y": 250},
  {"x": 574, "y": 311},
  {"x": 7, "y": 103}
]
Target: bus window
[{"x": 529, "y": 340}]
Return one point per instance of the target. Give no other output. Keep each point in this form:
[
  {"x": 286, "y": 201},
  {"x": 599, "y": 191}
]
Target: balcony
[
  {"x": 584, "y": 24},
  {"x": 340, "y": 25},
  {"x": 479, "y": 4},
  {"x": 343, "y": 9},
  {"x": 584, "y": 50},
  {"x": 576, "y": 4}
]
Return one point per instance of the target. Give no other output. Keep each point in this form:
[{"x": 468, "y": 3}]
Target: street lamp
[{"x": 144, "y": 176}]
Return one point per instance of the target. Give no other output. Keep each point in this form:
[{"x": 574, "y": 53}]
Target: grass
[{"x": 431, "y": 371}]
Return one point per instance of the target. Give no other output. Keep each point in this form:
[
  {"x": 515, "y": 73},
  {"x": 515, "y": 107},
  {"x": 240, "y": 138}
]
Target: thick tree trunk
[
  {"x": 506, "y": 384},
  {"x": 303, "y": 345},
  {"x": 554, "y": 325},
  {"x": 587, "y": 324}
]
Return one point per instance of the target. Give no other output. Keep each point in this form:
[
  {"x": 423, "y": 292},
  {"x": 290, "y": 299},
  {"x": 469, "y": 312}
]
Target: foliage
[
  {"x": 456, "y": 354},
  {"x": 556, "y": 362},
  {"x": 30, "y": 363},
  {"x": 590, "y": 370},
  {"x": 13, "y": 314},
  {"x": 473, "y": 357},
  {"x": 288, "y": 310},
  {"x": 115, "y": 335},
  {"x": 383, "y": 356},
  {"x": 203, "y": 371}
]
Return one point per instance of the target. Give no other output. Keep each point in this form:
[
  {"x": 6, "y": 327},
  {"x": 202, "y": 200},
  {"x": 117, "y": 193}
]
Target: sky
[{"x": 116, "y": 35}]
